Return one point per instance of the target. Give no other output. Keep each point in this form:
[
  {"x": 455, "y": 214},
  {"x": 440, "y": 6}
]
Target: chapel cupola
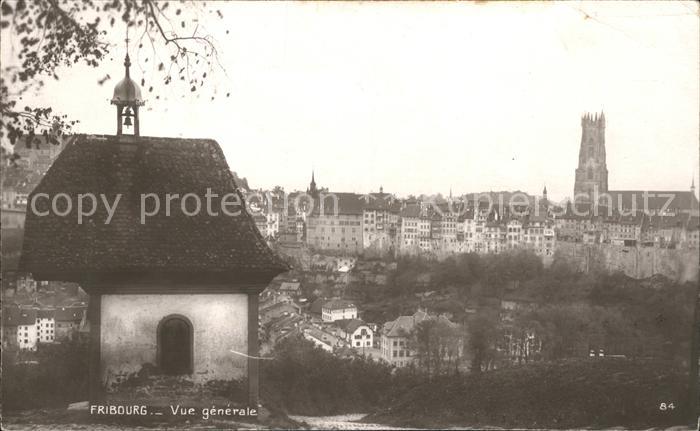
[{"x": 127, "y": 98}]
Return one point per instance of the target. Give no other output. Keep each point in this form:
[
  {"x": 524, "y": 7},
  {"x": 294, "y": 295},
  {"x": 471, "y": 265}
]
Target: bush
[
  {"x": 569, "y": 394},
  {"x": 303, "y": 379},
  {"x": 59, "y": 378}
]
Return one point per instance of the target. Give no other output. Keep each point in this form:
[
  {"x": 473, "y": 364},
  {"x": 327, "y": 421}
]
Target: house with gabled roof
[
  {"x": 356, "y": 332},
  {"x": 395, "y": 338},
  {"x": 176, "y": 292},
  {"x": 20, "y": 328},
  {"x": 68, "y": 322},
  {"x": 322, "y": 339},
  {"x": 291, "y": 287}
]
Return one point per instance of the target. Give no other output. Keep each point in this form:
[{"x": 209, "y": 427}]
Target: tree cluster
[
  {"x": 46, "y": 35},
  {"x": 438, "y": 345}
]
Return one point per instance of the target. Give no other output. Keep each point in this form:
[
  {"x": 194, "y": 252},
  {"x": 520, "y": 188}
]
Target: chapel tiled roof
[{"x": 60, "y": 248}]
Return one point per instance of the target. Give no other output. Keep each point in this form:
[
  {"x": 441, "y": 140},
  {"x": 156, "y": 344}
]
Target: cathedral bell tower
[
  {"x": 127, "y": 98},
  {"x": 592, "y": 173}
]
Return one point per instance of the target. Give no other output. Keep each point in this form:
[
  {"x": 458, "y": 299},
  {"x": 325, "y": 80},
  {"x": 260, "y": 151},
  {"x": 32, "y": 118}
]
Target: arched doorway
[{"x": 175, "y": 345}]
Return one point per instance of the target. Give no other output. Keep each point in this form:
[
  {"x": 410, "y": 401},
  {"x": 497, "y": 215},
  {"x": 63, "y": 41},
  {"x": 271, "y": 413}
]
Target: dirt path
[{"x": 341, "y": 422}]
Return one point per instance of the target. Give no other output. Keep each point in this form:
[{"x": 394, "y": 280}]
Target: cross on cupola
[{"x": 127, "y": 98}]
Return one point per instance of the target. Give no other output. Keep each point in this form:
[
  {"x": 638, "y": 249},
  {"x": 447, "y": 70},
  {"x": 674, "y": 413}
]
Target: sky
[{"x": 428, "y": 97}]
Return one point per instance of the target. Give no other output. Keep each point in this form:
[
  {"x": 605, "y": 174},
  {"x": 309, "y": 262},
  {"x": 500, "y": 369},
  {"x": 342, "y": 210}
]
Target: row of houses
[
  {"x": 678, "y": 230},
  {"x": 24, "y": 328},
  {"x": 334, "y": 325},
  {"x": 379, "y": 224},
  {"x": 331, "y": 324}
]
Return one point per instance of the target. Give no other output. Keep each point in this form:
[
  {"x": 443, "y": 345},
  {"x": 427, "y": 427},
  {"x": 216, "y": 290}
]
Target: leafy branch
[{"x": 47, "y": 35}]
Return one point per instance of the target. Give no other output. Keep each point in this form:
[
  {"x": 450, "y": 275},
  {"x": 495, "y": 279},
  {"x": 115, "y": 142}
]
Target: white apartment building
[{"x": 338, "y": 309}]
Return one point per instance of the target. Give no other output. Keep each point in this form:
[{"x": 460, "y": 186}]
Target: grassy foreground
[{"x": 570, "y": 394}]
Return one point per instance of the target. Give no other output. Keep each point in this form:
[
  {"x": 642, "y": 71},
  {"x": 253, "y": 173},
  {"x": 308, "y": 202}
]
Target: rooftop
[
  {"x": 15, "y": 316},
  {"x": 338, "y": 304}
]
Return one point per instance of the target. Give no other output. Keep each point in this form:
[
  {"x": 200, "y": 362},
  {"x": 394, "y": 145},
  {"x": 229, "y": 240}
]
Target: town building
[
  {"x": 357, "y": 333},
  {"x": 20, "y": 328},
  {"x": 514, "y": 233},
  {"x": 338, "y": 309},
  {"x": 68, "y": 322},
  {"x": 335, "y": 222},
  {"x": 416, "y": 229},
  {"x": 46, "y": 326},
  {"x": 292, "y": 288},
  {"x": 395, "y": 339},
  {"x": 323, "y": 339},
  {"x": 624, "y": 229},
  {"x": 278, "y": 309},
  {"x": 380, "y": 223}
]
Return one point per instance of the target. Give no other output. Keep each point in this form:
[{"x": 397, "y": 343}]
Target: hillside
[{"x": 570, "y": 394}]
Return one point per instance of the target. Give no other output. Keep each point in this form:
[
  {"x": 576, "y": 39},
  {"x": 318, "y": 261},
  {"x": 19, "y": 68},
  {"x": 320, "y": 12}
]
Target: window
[{"x": 175, "y": 345}]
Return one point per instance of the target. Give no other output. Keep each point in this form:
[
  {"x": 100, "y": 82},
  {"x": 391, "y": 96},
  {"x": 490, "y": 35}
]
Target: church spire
[{"x": 312, "y": 186}]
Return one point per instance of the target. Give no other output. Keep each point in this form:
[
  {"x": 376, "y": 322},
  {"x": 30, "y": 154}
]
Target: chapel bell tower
[{"x": 127, "y": 98}]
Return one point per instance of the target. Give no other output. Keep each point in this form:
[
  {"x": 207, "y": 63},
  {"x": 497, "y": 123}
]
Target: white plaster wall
[
  {"x": 129, "y": 332},
  {"x": 32, "y": 336}
]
